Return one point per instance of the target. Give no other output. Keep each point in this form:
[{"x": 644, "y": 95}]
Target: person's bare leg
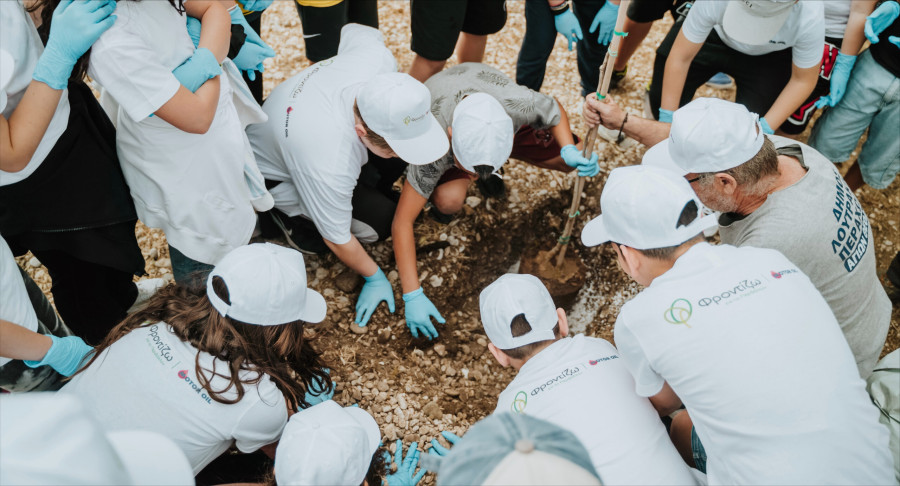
[
  {"x": 637, "y": 31},
  {"x": 449, "y": 197},
  {"x": 854, "y": 178},
  {"x": 680, "y": 433},
  {"x": 470, "y": 47},
  {"x": 422, "y": 68}
]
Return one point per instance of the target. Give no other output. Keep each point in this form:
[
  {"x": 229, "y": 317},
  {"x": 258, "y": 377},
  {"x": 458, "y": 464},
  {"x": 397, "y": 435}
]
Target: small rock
[
  {"x": 453, "y": 392},
  {"x": 162, "y": 263},
  {"x": 443, "y": 237},
  {"x": 450, "y": 371},
  {"x": 440, "y": 349},
  {"x": 433, "y": 411},
  {"x": 321, "y": 273},
  {"x": 384, "y": 335},
  {"x": 473, "y": 201},
  {"x": 383, "y": 386},
  {"x": 390, "y": 432},
  {"x": 410, "y": 438},
  {"x": 154, "y": 253},
  {"x": 401, "y": 402},
  {"x": 482, "y": 341},
  {"x": 435, "y": 281},
  {"x": 476, "y": 375},
  {"x": 328, "y": 293},
  {"x": 356, "y": 394},
  {"x": 348, "y": 281},
  {"x": 34, "y": 262},
  {"x": 454, "y": 241},
  {"x": 393, "y": 276},
  {"x": 354, "y": 327}
]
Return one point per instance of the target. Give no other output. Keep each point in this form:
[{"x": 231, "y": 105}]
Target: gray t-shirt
[
  {"x": 449, "y": 87},
  {"x": 820, "y": 226}
]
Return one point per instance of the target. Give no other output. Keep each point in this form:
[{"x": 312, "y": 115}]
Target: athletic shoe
[
  {"x": 299, "y": 233},
  {"x": 146, "y": 288},
  {"x": 720, "y": 81},
  {"x": 617, "y": 77}
]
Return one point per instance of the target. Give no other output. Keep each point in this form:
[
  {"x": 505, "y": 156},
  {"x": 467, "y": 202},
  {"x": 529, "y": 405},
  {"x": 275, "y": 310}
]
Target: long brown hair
[
  {"x": 48, "y": 6},
  {"x": 281, "y": 351}
]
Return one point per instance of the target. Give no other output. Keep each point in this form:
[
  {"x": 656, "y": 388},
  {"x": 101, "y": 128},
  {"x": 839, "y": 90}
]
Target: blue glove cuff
[
  {"x": 53, "y": 69},
  {"x": 666, "y": 115},
  {"x": 43, "y": 361},
  {"x": 378, "y": 275},
  {"x": 845, "y": 59},
  {"x": 412, "y": 295}
]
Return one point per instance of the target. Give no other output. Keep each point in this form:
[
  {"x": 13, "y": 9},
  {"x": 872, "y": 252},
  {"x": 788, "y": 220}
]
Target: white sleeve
[
  {"x": 262, "y": 423},
  {"x": 701, "y": 18},
  {"x": 807, "y": 51},
  {"x": 646, "y": 381},
  {"x": 126, "y": 67}
]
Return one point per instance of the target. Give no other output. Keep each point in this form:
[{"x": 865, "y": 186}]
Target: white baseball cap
[
  {"x": 482, "y": 132},
  {"x": 708, "y": 135},
  {"x": 641, "y": 207},
  {"x": 50, "y": 438},
  {"x": 266, "y": 286},
  {"x": 7, "y": 64},
  {"x": 326, "y": 444},
  {"x": 755, "y": 22},
  {"x": 513, "y": 294},
  {"x": 397, "y": 107}
]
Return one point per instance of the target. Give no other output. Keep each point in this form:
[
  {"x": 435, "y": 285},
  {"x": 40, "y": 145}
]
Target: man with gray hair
[{"x": 775, "y": 193}]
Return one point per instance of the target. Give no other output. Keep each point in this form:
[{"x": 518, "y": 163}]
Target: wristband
[{"x": 559, "y": 9}]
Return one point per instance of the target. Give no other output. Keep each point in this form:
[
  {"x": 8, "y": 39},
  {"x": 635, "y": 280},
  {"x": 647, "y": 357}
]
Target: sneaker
[
  {"x": 146, "y": 288},
  {"x": 720, "y": 81},
  {"x": 492, "y": 186},
  {"x": 617, "y": 77},
  {"x": 299, "y": 233}
]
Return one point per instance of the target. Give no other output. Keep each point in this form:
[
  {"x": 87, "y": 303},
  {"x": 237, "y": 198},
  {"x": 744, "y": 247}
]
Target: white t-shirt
[
  {"x": 836, "y": 14},
  {"x": 20, "y": 39},
  {"x": 803, "y": 32},
  {"x": 147, "y": 380},
  {"x": 192, "y": 186},
  {"x": 751, "y": 348},
  {"x": 581, "y": 385},
  {"x": 15, "y": 306},
  {"x": 309, "y": 139}
]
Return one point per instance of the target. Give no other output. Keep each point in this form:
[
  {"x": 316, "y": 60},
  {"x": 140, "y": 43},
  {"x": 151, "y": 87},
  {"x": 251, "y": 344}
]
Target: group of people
[{"x": 752, "y": 361}]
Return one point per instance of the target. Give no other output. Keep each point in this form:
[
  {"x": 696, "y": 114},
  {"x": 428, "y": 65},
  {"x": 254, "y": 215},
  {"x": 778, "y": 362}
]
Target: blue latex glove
[
  {"x": 316, "y": 394},
  {"x": 765, "y": 126},
  {"x": 567, "y": 25},
  {"x": 606, "y": 21},
  {"x": 254, "y": 51},
  {"x": 193, "y": 28},
  {"x": 419, "y": 311},
  {"x": 437, "y": 449},
  {"x": 665, "y": 115},
  {"x": 894, "y": 40},
  {"x": 76, "y": 26},
  {"x": 406, "y": 468},
  {"x": 880, "y": 19},
  {"x": 65, "y": 355},
  {"x": 199, "y": 68},
  {"x": 376, "y": 289},
  {"x": 573, "y": 158},
  {"x": 840, "y": 74},
  {"x": 256, "y": 5}
]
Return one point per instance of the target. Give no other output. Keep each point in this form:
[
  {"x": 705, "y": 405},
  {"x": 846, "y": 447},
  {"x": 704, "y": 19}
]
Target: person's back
[{"x": 582, "y": 385}]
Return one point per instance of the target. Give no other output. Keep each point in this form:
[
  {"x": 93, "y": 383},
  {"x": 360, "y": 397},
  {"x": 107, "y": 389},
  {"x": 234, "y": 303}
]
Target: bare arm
[
  {"x": 853, "y": 32},
  {"x": 408, "y": 208},
  {"x": 192, "y": 112},
  {"x": 677, "y": 66},
  {"x": 666, "y": 401},
  {"x": 798, "y": 88},
  {"x": 215, "y": 25},
  {"x": 648, "y": 132},
  {"x": 354, "y": 256},
  {"x": 16, "y": 342},
  {"x": 22, "y": 133}
]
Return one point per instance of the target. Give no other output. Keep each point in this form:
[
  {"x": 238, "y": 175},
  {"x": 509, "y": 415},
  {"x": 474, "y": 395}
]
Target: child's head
[{"x": 519, "y": 318}]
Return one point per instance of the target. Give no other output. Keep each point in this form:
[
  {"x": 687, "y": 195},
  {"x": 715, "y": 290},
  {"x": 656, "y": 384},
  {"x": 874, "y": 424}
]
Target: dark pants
[
  {"x": 322, "y": 25},
  {"x": 540, "y": 35},
  {"x": 374, "y": 201},
  {"x": 759, "y": 79},
  {"x": 254, "y": 19}
]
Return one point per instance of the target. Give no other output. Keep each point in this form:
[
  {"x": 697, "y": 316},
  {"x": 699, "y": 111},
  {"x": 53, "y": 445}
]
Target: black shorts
[
  {"x": 436, "y": 24},
  {"x": 797, "y": 122},
  {"x": 643, "y": 11}
]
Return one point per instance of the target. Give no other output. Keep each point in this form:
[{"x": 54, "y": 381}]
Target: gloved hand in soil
[
  {"x": 316, "y": 392},
  {"x": 254, "y": 51},
  {"x": 76, "y": 26},
  {"x": 438, "y": 450},
  {"x": 65, "y": 355},
  {"x": 567, "y": 25},
  {"x": 419, "y": 311},
  {"x": 880, "y": 19},
  {"x": 840, "y": 74},
  {"x": 573, "y": 158},
  {"x": 605, "y": 22},
  {"x": 406, "y": 468},
  {"x": 376, "y": 289},
  {"x": 199, "y": 68},
  {"x": 256, "y": 5}
]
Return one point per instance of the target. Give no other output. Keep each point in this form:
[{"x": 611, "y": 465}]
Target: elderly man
[{"x": 774, "y": 193}]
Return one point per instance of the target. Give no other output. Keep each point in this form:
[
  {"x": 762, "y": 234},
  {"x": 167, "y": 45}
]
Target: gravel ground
[{"x": 416, "y": 388}]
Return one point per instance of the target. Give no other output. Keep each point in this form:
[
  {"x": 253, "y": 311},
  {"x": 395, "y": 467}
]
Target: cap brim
[
  {"x": 750, "y": 29},
  {"x": 367, "y": 422},
  {"x": 143, "y": 451},
  {"x": 658, "y": 156},
  {"x": 594, "y": 233},
  {"x": 425, "y": 148},
  {"x": 316, "y": 308}
]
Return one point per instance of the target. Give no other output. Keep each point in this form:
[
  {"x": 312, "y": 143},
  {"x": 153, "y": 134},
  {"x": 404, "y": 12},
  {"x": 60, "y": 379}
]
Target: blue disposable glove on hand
[
  {"x": 65, "y": 355},
  {"x": 894, "y": 40},
  {"x": 765, "y": 126},
  {"x": 419, "y": 311},
  {"x": 406, "y": 468},
  {"x": 573, "y": 158},
  {"x": 193, "y": 28},
  {"x": 199, "y": 68},
  {"x": 840, "y": 74},
  {"x": 665, "y": 115},
  {"x": 606, "y": 21},
  {"x": 316, "y": 393},
  {"x": 254, "y": 51},
  {"x": 256, "y": 5},
  {"x": 437, "y": 449},
  {"x": 376, "y": 289},
  {"x": 568, "y": 26},
  {"x": 880, "y": 19},
  {"x": 76, "y": 26}
]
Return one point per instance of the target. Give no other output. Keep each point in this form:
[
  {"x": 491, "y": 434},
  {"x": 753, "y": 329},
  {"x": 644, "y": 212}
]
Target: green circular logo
[
  {"x": 518, "y": 404},
  {"x": 679, "y": 312}
]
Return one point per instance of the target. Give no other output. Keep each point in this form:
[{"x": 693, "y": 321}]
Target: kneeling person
[{"x": 577, "y": 383}]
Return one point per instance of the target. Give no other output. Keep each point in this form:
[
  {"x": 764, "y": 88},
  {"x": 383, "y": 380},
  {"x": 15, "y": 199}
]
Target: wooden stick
[{"x": 606, "y": 70}]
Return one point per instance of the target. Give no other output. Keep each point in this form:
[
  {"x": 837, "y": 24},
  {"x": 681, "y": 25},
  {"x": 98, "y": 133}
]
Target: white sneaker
[{"x": 146, "y": 288}]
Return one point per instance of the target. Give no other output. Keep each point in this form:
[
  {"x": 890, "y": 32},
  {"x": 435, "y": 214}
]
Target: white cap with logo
[
  {"x": 513, "y": 294},
  {"x": 755, "y": 22},
  {"x": 482, "y": 132},
  {"x": 266, "y": 286},
  {"x": 397, "y": 107},
  {"x": 708, "y": 135},
  {"x": 641, "y": 208},
  {"x": 326, "y": 444}
]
